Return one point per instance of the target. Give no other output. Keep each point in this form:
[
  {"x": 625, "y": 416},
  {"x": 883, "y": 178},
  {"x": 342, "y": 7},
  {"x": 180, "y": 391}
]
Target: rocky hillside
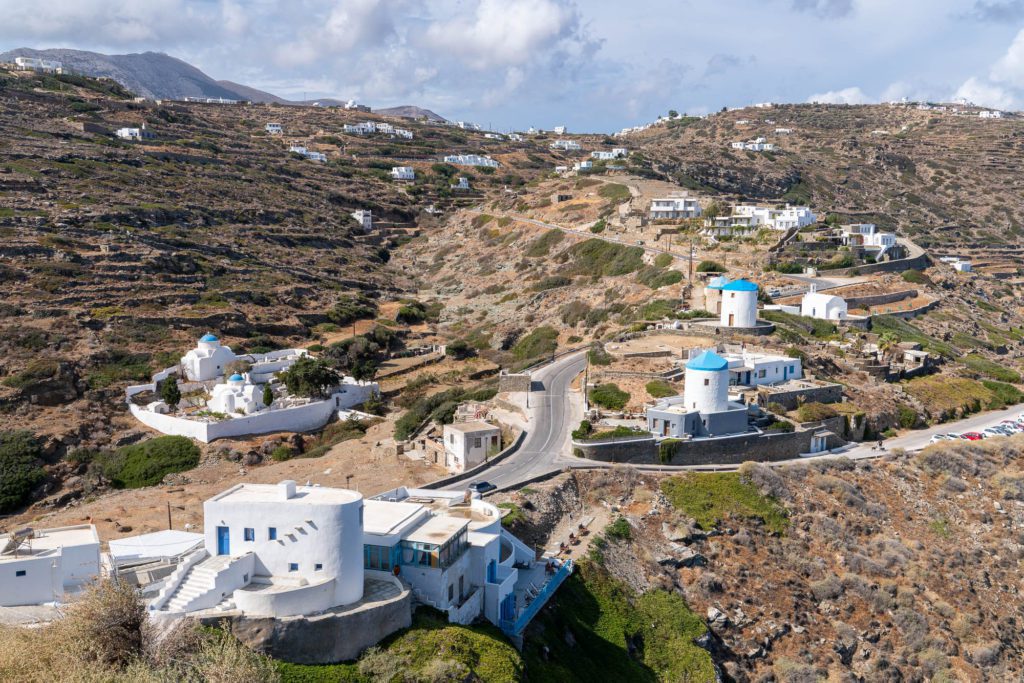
[
  {"x": 117, "y": 255},
  {"x": 946, "y": 179},
  {"x": 897, "y": 570}
]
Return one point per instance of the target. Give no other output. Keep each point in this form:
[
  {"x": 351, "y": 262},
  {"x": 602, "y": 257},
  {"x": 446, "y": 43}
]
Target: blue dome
[
  {"x": 718, "y": 282},
  {"x": 207, "y": 338},
  {"x": 236, "y": 378},
  {"x": 707, "y": 361},
  {"x": 740, "y": 286}
]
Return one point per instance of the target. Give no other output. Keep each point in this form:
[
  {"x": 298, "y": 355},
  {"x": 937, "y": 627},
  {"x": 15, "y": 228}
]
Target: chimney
[{"x": 286, "y": 489}]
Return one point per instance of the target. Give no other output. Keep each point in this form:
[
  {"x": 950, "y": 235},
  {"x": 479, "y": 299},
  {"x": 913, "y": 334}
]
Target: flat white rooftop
[
  {"x": 274, "y": 493},
  {"x": 472, "y": 427},
  {"x": 437, "y": 530},
  {"x": 384, "y": 518},
  {"x": 47, "y": 540},
  {"x": 158, "y": 544}
]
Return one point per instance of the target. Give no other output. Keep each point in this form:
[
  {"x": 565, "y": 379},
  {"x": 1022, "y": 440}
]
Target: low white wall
[
  {"x": 308, "y": 599},
  {"x": 469, "y": 610},
  {"x": 172, "y": 581},
  {"x": 80, "y": 563}
]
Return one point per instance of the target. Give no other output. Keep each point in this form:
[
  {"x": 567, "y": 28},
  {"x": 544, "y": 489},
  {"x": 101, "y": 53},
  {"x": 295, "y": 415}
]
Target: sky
[{"x": 592, "y": 65}]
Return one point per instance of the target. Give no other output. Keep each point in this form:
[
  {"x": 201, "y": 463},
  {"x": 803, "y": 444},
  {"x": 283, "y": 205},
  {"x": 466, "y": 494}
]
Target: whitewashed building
[
  {"x": 36, "y": 64},
  {"x": 273, "y": 128},
  {"x": 364, "y": 217},
  {"x": 42, "y": 565},
  {"x": 616, "y": 153},
  {"x": 823, "y": 306},
  {"x": 462, "y": 184},
  {"x": 674, "y": 207},
  {"x": 753, "y": 368},
  {"x": 403, "y": 173},
  {"x": 468, "y": 444},
  {"x": 471, "y": 160},
  {"x": 134, "y": 134},
  {"x": 283, "y": 550},
  {"x": 585, "y": 165},
  {"x": 559, "y": 130},
  {"x": 990, "y": 114},
  {"x": 237, "y": 394},
  {"x": 755, "y": 145},
  {"x": 566, "y": 145}
]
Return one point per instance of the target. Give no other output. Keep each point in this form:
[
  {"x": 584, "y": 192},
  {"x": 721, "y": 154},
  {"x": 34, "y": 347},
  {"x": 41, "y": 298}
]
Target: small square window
[
  {"x": 250, "y": 534},
  {"x": 318, "y": 567},
  {"x": 707, "y": 382},
  {"x": 272, "y": 533},
  {"x": 20, "y": 572},
  {"x": 293, "y": 566}
]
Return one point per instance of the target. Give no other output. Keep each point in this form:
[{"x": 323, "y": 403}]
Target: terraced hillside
[
  {"x": 949, "y": 180},
  {"x": 116, "y": 255}
]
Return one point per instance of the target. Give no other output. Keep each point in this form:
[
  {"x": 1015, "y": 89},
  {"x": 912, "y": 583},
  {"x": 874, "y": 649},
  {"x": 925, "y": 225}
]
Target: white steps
[{"x": 198, "y": 581}]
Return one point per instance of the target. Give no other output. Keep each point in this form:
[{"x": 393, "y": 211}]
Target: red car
[{"x": 972, "y": 436}]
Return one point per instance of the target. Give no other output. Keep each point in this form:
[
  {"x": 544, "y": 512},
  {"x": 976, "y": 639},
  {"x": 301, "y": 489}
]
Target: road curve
[{"x": 552, "y": 415}]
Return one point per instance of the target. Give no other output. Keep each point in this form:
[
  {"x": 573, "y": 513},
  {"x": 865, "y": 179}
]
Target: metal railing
[{"x": 514, "y": 628}]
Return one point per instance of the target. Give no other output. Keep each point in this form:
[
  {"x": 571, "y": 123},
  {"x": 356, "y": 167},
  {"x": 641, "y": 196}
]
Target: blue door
[{"x": 223, "y": 542}]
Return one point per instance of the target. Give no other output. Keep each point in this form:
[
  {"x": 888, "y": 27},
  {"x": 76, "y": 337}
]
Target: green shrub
[
  {"x": 615, "y": 192},
  {"x": 906, "y": 416},
  {"x": 814, "y": 411},
  {"x": 598, "y": 356},
  {"x": 595, "y": 256},
  {"x": 711, "y": 498},
  {"x": 619, "y": 529},
  {"x": 915, "y": 277},
  {"x": 1003, "y": 394},
  {"x": 609, "y": 396},
  {"x": 540, "y": 342},
  {"x": 350, "y": 308},
  {"x": 710, "y": 267},
  {"x": 309, "y": 377},
  {"x": 583, "y": 431},
  {"x": 20, "y": 468},
  {"x": 281, "y": 453},
  {"x": 598, "y": 227},
  {"x": 663, "y": 260},
  {"x": 542, "y": 245},
  {"x": 660, "y": 389},
  {"x": 983, "y": 366},
  {"x": 780, "y": 426},
  {"x": 147, "y": 463}
]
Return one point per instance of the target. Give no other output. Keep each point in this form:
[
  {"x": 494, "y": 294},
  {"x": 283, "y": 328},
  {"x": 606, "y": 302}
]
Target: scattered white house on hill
[
  {"x": 990, "y": 114},
  {"x": 584, "y": 165},
  {"x": 471, "y": 160},
  {"x": 566, "y": 145},
  {"x": 403, "y": 173},
  {"x": 674, "y": 207},
  {"x": 134, "y": 134},
  {"x": 41, "y": 565},
  {"x": 364, "y": 217},
  {"x": 616, "y": 153},
  {"x": 468, "y": 444},
  {"x": 36, "y": 64},
  {"x": 273, "y": 128},
  {"x": 309, "y": 154},
  {"x": 559, "y": 130},
  {"x": 462, "y": 184},
  {"x": 823, "y": 306},
  {"x": 755, "y": 145}
]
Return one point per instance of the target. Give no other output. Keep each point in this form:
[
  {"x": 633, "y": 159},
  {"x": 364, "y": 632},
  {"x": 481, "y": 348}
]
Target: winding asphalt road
[{"x": 552, "y": 416}]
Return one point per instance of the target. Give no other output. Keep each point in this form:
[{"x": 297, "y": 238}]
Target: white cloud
[
  {"x": 504, "y": 32},
  {"x": 1003, "y": 87},
  {"x": 851, "y": 95},
  {"x": 986, "y": 94}
]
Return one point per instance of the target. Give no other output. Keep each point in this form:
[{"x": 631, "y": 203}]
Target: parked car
[
  {"x": 972, "y": 436},
  {"x": 939, "y": 437},
  {"x": 481, "y": 486}
]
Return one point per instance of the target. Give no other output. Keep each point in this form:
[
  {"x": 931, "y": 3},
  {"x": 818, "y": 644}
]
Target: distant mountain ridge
[{"x": 159, "y": 76}]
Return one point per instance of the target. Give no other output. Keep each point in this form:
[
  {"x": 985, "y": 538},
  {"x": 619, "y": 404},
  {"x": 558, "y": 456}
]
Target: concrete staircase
[{"x": 198, "y": 581}]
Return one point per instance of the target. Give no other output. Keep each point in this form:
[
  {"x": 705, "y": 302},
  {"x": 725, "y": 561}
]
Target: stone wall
[
  {"x": 508, "y": 381},
  {"x": 790, "y": 400},
  {"x": 919, "y": 262},
  {"x": 879, "y": 299},
  {"x": 764, "y": 447},
  {"x": 334, "y": 636}
]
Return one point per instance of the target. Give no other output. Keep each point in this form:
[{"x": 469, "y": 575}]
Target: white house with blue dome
[
  {"x": 704, "y": 409},
  {"x": 208, "y": 360},
  {"x": 237, "y": 395}
]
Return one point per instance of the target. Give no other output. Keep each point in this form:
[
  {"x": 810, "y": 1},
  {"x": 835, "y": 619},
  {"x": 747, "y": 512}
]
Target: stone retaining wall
[
  {"x": 764, "y": 447},
  {"x": 334, "y": 636},
  {"x": 790, "y": 400}
]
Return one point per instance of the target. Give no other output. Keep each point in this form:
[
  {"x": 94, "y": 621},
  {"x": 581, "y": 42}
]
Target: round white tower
[
  {"x": 707, "y": 383},
  {"x": 739, "y": 304},
  {"x": 713, "y": 294}
]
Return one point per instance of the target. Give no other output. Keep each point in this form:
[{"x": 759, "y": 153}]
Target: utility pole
[
  {"x": 691, "y": 258},
  {"x": 169, "y": 515}
]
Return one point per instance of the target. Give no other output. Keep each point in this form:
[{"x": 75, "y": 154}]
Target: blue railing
[{"x": 514, "y": 628}]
